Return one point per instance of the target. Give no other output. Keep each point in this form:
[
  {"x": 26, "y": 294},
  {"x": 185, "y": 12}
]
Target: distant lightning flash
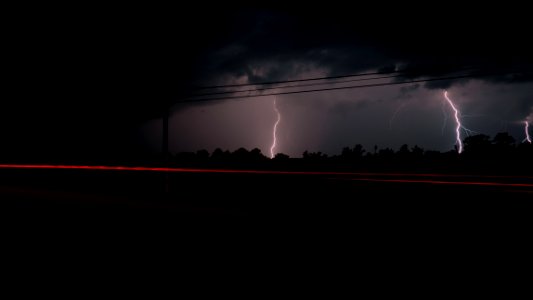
[
  {"x": 458, "y": 122},
  {"x": 528, "y": 138},
  {"x": 396, "y": 112},
  {"x": 275, "y": 130}
]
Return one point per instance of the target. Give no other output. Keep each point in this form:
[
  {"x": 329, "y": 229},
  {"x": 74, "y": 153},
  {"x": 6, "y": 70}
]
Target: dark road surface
[
  {"x": 386, "y": 217},
  {"x": 206, "y": 193}
]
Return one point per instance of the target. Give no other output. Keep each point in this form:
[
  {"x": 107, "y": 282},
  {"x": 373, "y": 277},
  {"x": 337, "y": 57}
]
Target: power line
[
  {"x": 347, "y": 87},
  {"x": 305, "y": 85},
  {"x": 293, "y": 86},
  {"x": 320, "y": 78}
]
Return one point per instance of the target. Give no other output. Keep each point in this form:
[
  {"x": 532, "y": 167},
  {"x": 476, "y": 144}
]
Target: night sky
[{"x": 96, "y": 80}]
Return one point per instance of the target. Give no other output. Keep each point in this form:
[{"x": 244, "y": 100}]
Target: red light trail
[
  {"x": 259, "y": 172},
  {"x": 494, "y": 184}
]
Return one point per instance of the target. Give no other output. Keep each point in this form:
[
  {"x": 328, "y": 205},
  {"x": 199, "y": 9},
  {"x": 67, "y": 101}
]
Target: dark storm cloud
[
  {"x": 346, "y": 42},
  {"x": 346, "y": 108},
  {"x": 406, "y": 92},
  {"x": 88, "y": 75},
  {"x": 279, "y": 45}
]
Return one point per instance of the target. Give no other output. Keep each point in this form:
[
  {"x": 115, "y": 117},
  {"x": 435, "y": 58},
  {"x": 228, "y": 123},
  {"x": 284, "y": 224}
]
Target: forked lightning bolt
[
  {"x": 458, "y": 122},
  {"x": 274, "y": 141},
  {"x": 528, "y": 138}
]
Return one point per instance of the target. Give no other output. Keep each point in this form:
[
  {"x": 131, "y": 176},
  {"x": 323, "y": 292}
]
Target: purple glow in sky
[
  {"x": 329, "y": 121},
  {"x": 114, "y": 82}
]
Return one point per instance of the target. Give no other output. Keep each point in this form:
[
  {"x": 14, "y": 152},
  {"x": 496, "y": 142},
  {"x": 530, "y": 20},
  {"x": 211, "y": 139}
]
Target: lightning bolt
[
  {"x": 395, "y": 114},
  {"x": 458, "y": 122},
  {"x": 274, "y": 141},
  {"x": 528, "y": 138}
]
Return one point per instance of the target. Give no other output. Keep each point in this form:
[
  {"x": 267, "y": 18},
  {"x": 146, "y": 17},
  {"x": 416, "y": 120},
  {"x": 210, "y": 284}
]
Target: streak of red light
[
  {"x": 230, "y": 171},
  {"x": 499, "y": 184}
]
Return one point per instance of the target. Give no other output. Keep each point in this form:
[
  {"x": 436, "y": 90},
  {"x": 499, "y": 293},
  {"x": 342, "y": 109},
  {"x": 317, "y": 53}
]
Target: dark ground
[
  {"x": 89, "y": 196},
  {"x": 384, "y": 232}
]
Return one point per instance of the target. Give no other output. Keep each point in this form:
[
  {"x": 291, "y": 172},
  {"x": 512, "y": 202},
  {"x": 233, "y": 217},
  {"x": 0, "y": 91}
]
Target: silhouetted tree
[
  {"x": 417, "y": 152},
  {"x": 386, "y": 153},
  {"x": 202, "y": 155},
  {"x": 404, "y": 149},
  {"x": 314, "y": 156},
  {"x": 504, "y": 144},
  {"x": 240, "y": 154},
  {"x": 186, "y": 157},
  {"x": 281, "y": 157},
  {"x": 404, "y": 152},
  {"x": 256, "y": 155},
  {"x": 504, "y": 139},
  {"x": 432, "y": 155},
  {"x": 481, "y": 153},
  {"x": 524, "y": 153},
  {"x": 356, "y": 153},
  {"x": 346, "y": 152},
  {"x": 219, "y": 155},
  {"x": 477, "y": 145}
]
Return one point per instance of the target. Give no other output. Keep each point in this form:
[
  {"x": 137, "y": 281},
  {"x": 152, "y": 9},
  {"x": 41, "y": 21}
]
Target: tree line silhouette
[{"x": 481, "y": 153}]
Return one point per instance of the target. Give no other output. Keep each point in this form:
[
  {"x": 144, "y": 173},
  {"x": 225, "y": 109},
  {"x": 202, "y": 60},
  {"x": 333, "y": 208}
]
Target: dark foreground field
[
  {"x": 370, "y": 222},
  {"x": 368, "y": 199}
]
